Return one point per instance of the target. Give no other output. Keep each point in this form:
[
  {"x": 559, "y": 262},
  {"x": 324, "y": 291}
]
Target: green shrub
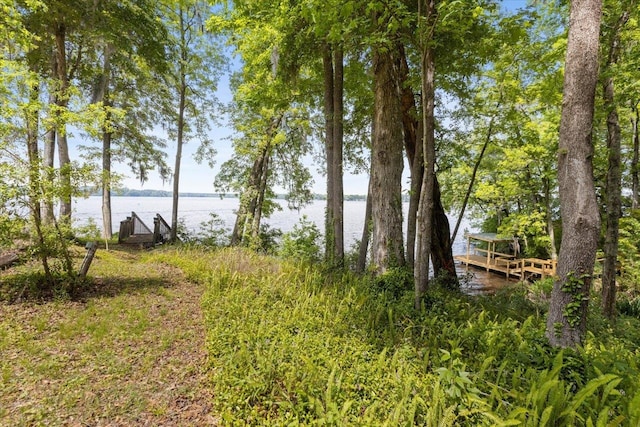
[
  {"x": 394, "y": 282},
  {"x": 89, "y": 231},
  {"x": 629, "y": 307},
  {"x": 303, "y": 242},
  {"x": 213, "y": 232}
]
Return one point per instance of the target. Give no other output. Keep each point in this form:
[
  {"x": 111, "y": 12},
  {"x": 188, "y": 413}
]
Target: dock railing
[
  {"x": 501, "y": 262},
  {"x": 134, "y": 231}
]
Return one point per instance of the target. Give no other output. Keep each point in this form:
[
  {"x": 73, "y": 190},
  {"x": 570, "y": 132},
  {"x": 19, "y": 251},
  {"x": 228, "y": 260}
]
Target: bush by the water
[{"x": 289, "y": 346}]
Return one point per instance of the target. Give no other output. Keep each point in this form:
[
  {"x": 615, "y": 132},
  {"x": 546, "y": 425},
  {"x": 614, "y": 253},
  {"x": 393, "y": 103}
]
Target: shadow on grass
[{"x": 118, "y": 271}]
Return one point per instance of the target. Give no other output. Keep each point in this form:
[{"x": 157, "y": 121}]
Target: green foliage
[
  {"x": 183, "y": 232},
  {"x": 213, "y": 232},
  {"x": 573, "y": 286},
  {"x": 347, "y": 354},
  {"x": 303, "y": 242},
  {"x": 268, "y": 240},
  {"x": 394, "y": 282},
  {"x": 351, "y": 256},
  {"x": 629, "y": 252},
  {"x": 629, "y": 307},
  {"x": 532, "y": 229},
  {"x": 88, "y": 231}
]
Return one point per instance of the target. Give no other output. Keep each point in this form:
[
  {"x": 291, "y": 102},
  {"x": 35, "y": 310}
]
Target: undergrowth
[{"x": 290, "y": 346}]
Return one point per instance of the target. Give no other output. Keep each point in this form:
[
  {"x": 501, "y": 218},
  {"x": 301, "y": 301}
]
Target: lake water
[{"x": 196, "y": 210}]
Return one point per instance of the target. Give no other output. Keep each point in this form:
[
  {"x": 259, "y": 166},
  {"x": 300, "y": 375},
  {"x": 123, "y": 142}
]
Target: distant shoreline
[{"x": 126, "y": 192}]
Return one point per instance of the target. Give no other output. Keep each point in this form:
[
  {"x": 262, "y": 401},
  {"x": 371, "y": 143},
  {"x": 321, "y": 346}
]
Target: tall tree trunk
[
  {"x": 329, "y": 143},
  {"x": 35, "y": 188},
  {"x": 444, "y": 267},
  {"x": 180, "y": 136},
  {"x": 241, "y": 217},
  {"x": 414, "y": 151},
  {"x": 386, "y": 164},
  {"x": 176, "y": 170},
  {"x": 635, "y": 172},
  {"x": 247, "y": 202},
  {"x": 49, "y": 153},
  {"x": 262, "y": 188},
  {"x": 614, "y": 177},
  {"x": 62, "y": 102},
  {"x": 566, "y": 322},
  {"x": 107, "y": 224},
  {"x": 425, "y": 210},
  {"x": 107, "y": 134},
  {"x": 338, "y": 141}
]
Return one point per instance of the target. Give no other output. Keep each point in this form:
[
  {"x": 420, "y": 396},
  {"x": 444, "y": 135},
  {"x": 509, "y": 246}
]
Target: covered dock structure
[{"x": 482, "y": 252}]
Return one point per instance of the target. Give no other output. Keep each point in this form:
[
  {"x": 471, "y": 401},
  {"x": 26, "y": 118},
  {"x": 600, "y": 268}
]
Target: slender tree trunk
[
  {"x": 425, "y": 210},
  {"x": 614, "y": 209},
  {"x": 107, "y": 225},
  {"x": 35, "y": 192},
  {"x": 414, "y": 151},
  {"x": 261, "y": 180},
  {"x": 386, "y": 164},
  {"x": 566, "y": 322},
  {"x": 366, "y": 233},
  {"x": 65, "y": 176},
  {"x": 176, "y": 170},
  {"x": 329, "y": 135},
  {"x": 338, "y": 141},
  {"x": 635, "y": 171},
  {"x": 417, "y": 176},
  {"x": 549, "y": 217},
  {"x": 614, "y": 177},
  {"x": 107, "y": 135},
  {"x": 472, "y": 181},
  {"x": 63, "y": 99},
  {"x": 49, "y": 159},
  {"x": 180, "y": 136}
]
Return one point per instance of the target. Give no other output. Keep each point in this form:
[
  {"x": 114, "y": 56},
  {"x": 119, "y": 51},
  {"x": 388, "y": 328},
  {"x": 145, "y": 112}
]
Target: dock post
[{"x": 92, "y": 247}]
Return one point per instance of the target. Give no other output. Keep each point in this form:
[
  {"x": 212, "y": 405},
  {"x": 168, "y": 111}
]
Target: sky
[{"x": 199, "y": 178}]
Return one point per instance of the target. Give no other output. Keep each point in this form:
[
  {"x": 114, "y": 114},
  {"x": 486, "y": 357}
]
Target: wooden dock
[
  {"x": 133, "y": 231},
  {"x": 501, "y": 262}
]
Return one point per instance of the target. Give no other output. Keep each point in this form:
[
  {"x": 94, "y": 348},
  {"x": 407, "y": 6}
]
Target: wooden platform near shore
[
  {"x": 522, "y": 268},
  {"x": 494, "y": 261}
]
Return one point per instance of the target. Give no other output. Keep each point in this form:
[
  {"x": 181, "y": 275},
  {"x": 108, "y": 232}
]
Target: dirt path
[{"x": 133, "y": 354}]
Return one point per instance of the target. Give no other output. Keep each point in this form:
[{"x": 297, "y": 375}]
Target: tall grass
[{"x": 289, "y": 345}]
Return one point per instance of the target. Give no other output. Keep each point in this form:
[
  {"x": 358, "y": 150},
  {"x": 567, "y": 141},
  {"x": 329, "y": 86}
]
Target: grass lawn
[{"x": 128, "y": 352}]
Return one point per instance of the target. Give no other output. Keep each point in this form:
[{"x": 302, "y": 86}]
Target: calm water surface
[{"x": 196, "y": 210}]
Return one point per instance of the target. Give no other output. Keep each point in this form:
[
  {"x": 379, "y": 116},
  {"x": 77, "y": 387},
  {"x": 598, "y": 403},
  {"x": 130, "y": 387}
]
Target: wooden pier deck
[{"x": 504, "y": 263}]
